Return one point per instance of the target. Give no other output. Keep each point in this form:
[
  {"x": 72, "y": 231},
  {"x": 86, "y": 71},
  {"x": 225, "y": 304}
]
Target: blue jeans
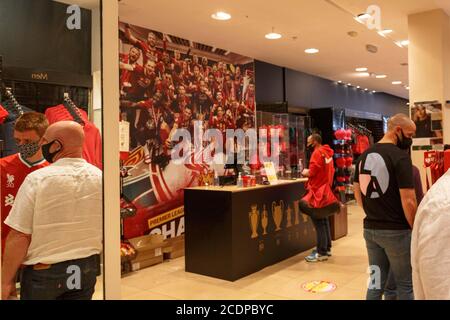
[
  {"x": 323, "y": 234},
  {"x": 60, "y": 281},
  {"x": 389, "y": 250}
]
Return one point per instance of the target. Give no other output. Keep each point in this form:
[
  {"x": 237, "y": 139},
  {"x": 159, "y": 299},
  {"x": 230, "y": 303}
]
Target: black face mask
[
  {"x": 310, "y": 147},
  {"x": 404, "y": 143},
  {"x": 50, "y": 156}
]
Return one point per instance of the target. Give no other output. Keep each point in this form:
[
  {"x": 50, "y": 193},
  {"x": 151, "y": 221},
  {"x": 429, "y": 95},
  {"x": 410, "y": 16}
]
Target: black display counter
[{"x": 232, "y": 232}]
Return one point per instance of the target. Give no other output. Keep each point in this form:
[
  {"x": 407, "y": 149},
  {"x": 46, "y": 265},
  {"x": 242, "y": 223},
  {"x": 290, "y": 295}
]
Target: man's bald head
[
  {"x": 400, "y": 120},
  {"x": 68, "y": 137},
  {"x": 401, "y": 129}
]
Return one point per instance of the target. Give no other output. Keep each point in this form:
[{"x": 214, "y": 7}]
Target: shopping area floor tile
[{"x": 346, "y": 269}]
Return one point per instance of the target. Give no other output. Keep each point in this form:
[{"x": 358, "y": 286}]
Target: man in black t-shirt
[{"x": 384, "y": 187}]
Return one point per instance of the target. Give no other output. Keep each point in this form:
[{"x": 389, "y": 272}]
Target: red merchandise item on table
[
  {"x": 13, "y": 170},
  {"x": 3, "y": 114},
  {"x": 321, "y": 173},
  {"x": 92, "y": 148}
]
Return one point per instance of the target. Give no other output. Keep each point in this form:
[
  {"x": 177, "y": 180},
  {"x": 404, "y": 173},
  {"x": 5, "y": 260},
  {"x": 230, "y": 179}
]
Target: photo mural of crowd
[{"x": 164, "y": 89}]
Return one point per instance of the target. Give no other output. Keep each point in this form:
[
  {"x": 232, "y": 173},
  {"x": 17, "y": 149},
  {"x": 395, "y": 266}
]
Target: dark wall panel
[
  {"x": 269, "y": 81},
  {"x": 34, "y": 35},
  {"x": 308, "y": 91}
]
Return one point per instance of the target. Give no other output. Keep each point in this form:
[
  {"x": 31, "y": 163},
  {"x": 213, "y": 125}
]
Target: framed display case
[{"x": 292, "y": 138}]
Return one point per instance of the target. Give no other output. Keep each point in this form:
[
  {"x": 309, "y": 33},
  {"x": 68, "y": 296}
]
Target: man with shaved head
[
  {"x": 384, "y": 187},
  {"x": 56, "y": 223}
]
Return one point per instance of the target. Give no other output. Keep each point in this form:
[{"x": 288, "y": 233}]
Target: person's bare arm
[
  {"x": 129, "y": 36},
  {"x": 357, "y": 193},
  {"x": 17, "y": 245},
  {"x": 409, "y": 204},
  {"x": 126, "y": 66}
]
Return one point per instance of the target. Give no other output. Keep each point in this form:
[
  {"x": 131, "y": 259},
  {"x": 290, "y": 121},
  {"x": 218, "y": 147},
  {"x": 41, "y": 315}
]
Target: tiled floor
[{"x": 347, "y": 269}]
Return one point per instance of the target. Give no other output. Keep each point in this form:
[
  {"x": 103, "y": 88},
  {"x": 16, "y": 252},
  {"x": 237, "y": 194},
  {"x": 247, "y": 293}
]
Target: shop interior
[{"x": 213, "y": 231}]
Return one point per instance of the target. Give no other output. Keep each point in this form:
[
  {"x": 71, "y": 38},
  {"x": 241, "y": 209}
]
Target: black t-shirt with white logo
[{"x": 381, "y": 171}]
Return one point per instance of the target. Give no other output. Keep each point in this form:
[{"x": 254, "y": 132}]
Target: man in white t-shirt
[
  {"x": 430, "y": 251},
  {"x": 56, "y": 223}
]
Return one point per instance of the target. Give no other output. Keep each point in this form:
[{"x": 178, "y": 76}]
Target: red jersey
[
  {"x": 149, "y": 53},
  {"x": 3, "y": 114},
  {"x": 13, "y": 170},
  {"x": 125, "y": 75},
  {"x": 140, "y": 82},
  {"x": 92, "y": 148}
]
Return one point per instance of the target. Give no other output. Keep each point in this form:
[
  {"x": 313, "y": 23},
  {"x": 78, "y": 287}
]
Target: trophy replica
[
  {"x": 264, "y": 220},
  {"x": 296, "y": 212},
  {"x": 277, "y": 214},
  {"x": 289, "y": 217},
  {"x": 254, "y": 220}
]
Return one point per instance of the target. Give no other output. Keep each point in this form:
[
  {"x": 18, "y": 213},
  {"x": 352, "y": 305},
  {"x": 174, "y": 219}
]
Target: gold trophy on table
[
  {"x": 277, "y": 214},
  {"x": 264, "y": 220},
  {"x": 289, "y": 217},
  {"x": 254, "y": 220}
]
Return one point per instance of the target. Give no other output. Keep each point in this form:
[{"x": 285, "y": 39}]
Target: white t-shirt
[
  {"x": 60, "y": 206},
  {"x": 430, "y": 244}
]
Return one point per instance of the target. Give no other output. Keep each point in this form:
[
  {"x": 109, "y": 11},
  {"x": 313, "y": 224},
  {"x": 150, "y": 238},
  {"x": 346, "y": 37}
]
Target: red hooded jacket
[{"x": 321, "y": 173}]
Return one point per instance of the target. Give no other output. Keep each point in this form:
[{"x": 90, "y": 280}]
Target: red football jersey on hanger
[{"x": 92, "y": 149}]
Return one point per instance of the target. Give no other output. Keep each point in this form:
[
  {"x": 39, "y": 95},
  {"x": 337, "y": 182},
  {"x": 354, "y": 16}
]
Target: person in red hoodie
[{"x": 320, "y": 201}]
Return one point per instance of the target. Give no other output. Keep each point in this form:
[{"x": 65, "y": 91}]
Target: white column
[
  {"x": 429, "y": 67},
  {"x": 110, "y": 82}
]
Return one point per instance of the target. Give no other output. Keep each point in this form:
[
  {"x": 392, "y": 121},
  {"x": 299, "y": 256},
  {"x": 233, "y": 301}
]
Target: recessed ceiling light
[
  {"x": 220, "y": 15},
  {"x": 364, "y": 74},
  {"x": 366, "y": 89},
  {"x": 381, "y": 76},
  {"x": 384, "y": 32},
  {"x": 404, "y": 43},
  {"x": 407, "y": 87},
  {"x": 273, "y": 36},
  {"x": 312, "y": 51},
  {"x": 396, "y": 82},
  {"x": 349, "y": 84},
  {"x": 361, "y": 69},
  {"x": 374, "y": 91},
  {"x": 339, "y": 81},
  {"x": 358, "y": 87}
]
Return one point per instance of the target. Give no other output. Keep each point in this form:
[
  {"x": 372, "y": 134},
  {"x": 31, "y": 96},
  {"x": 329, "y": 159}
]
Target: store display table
[{"x": 233, "y": 232}]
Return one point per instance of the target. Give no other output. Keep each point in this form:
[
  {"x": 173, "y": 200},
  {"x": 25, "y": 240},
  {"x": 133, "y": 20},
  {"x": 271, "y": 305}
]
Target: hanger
[
  {"x": 16, "y": 106},
  {"x": 73, "y": 110}
]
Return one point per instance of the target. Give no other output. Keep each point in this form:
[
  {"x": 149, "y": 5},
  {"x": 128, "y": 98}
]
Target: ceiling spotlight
[
  {"x": 358, "y": 87},
  {"x": 396, "y": 82},
  {"x": 220, "y": 15},
  {"x": 312, "y": 51},
  {"x": 349, "y": 84},
  {"x": 339, "y": 81},
  {"x": 374, "y": 91},
  {"x": 273, "y": 35},
  {"x": 404, "y": 43},
  {"x": 385, "y": 32},
  {"x": 361, "y": 69},
  {"x": 407, "y": 87},
  {"x": 366, "y": 89},
  {"x": 381, "y": 76},
  {"x": 362, "y": 18}
]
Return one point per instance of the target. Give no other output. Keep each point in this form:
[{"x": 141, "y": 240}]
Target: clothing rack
[
  {"x": 14, "y": 104},
  {"x": 73, "y": 109},
  {"x": 360, "y": 128}
]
